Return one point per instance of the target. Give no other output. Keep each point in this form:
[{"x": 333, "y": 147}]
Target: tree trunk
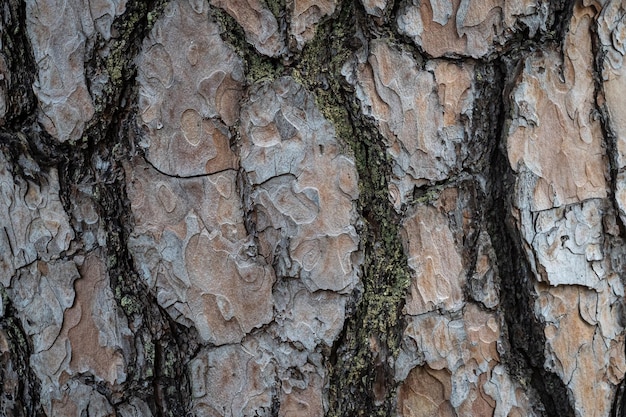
[{"x": 294, "y": 208}]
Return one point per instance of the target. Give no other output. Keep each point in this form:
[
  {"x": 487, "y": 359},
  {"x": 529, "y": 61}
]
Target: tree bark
[{"x": 295, "y": 208}]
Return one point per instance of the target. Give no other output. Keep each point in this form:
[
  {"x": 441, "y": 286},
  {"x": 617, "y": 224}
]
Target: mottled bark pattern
[{"x": 297, "y": 208}]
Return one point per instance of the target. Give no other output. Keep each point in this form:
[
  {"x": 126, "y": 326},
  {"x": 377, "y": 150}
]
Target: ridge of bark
[{"x": 610, "y": 139}]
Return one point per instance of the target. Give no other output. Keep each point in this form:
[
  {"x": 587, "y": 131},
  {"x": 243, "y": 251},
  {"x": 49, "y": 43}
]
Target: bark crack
[{"x": 525, "y": 353}]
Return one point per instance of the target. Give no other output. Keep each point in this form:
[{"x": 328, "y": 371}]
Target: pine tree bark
[{"x": 295, "y": 208}]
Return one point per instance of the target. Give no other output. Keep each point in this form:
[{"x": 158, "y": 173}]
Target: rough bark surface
[{"x": 296, "y": 208}]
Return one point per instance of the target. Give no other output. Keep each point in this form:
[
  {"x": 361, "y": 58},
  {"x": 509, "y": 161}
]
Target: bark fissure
[
  {"x": 364, "y": 354},
  {"x": 157, "y": 372},
  {"x": 21, "y": 64},
  {"x": 19, "y": 384},
  {"x": 525, "y": 332},
  {"x": 525, "y": 355},
  {"x": 610, "y": 137},
  {"x": 610, "y": 140},
  {"x": 361, "y": 359}
]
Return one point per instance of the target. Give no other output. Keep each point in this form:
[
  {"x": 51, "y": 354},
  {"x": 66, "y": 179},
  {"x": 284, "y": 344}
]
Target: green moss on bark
[
  {"x": 277, "y": 7},
  {"x": 258, "y": 67},
  {"x": 362, "y": 360}
]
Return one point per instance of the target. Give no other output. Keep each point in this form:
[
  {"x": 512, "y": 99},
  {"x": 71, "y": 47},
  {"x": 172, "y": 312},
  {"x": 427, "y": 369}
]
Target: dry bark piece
[
  {"x": 232, "y": 381},
  {"x": 35, "y": 226},
  {"x": 453, "y": 367},
  {"x": 193, "y": 250},
  {"x": 437, "y": 269},
  {"x": 565, "y": 245},
  {"x": 553, "y": 142},
  {"x": 43, "y": 291},
  {"x": 468, "y": 28},
  {"x": 308, "y": 320},
  {"x": 190, "y": 84},
  {"x": 585, "y": 353},
  {"x": 303, "y": 187},
  {"x": 76, "y": 329},
  {"x": 241, "y": 380},
  {"x": 59, "y": 30},
  {"x": 305, "y": 15},
  {"x": 307, "y": 402},
  {"x": 422, "y": 114},
  {"x": 95, "y": 327},
  {"x": 258, "y": 23},
  {"x": 426, "y": 393},
  {"x": 466, "y": 353},
  {"x": 79, "y": 399}
]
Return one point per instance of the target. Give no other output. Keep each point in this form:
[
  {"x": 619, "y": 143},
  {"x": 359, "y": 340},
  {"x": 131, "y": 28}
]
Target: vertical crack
[
  {"x": 525, "y": 332},
  {"x": 160, "y": 349},
  {"x": 19, "y": 386},
  {"x": 20, "y": 62},
  {"x": 610, "y": 137},
  {"x": 361, "y": 380}
]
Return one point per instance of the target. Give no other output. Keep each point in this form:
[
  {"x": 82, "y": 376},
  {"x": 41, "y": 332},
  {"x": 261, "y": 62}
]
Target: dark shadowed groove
[
  {"x": 26, "y": 401},
  {"x": 525, "y": 356},
  {"x": 20, "y": 107},
  {"x": 258, "y": 67},
  {"x": 161, "y": 348},
  {"x": 361, "y": 375},
  {"x": 609, "y": 136},
  {"x": 361, "y": 360},
  {"x": 526, "y": 339},
  {"x": 20, "y": 62},
  {"x": 20, "y": 134},
  {"x": 524, "y": 331}
]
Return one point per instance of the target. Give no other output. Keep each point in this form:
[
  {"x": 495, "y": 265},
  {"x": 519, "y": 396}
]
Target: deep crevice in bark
[
  {"x": 157, "y": 370},
  {"x": 258, "y": 67},
  {"x": 610, "y": 137},
  {"x": 361, "y": 359},
  {"x": 23, "y": 399},
  {"x": 355, "y": 370},
  {"x": 361, "y": 363},
  {"x": 525, "y": 332},
  {"x": 526, "y": 340},
  {"x": 21, "y": 63}
]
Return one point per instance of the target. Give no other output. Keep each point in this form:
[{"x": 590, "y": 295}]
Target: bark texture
[{"x": 298, "y": 208}]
